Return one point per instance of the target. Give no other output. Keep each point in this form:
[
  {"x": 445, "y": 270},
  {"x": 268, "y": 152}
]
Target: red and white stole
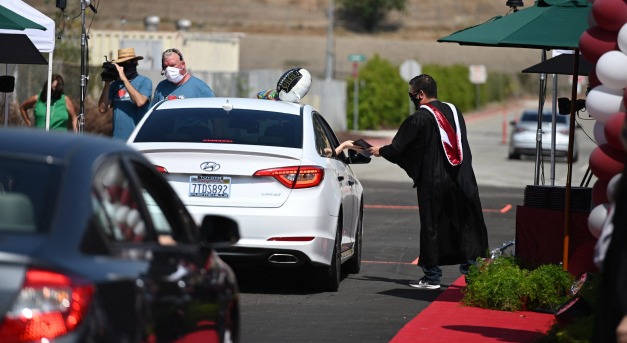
[{"x": 451, "y": 141}]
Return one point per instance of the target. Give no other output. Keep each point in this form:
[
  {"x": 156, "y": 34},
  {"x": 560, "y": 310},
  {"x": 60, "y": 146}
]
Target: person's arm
[
  {"x": 72, "y": 113},
  {"x": 138, "y": 98},
  {"x": 104, "y": 103},
  {"x": 621, "y": 331},
  {"x": 347, "y": 145},
  {"x": 25, "y": 106}
]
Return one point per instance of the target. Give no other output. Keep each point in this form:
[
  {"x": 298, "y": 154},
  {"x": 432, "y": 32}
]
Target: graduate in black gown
[{"x": 432, "y": 147}]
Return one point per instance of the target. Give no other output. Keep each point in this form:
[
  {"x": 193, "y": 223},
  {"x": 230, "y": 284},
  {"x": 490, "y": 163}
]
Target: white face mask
[{"x": 173, "y": 74}]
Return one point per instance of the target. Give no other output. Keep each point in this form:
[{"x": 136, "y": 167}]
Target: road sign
[
  {"x": 477, "y": 74},
  {"x": 356, "y": 58},
  {"x": 409, "y": 69}
]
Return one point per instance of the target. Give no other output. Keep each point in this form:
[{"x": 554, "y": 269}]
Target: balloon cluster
[{"x": 604, "y": 44}]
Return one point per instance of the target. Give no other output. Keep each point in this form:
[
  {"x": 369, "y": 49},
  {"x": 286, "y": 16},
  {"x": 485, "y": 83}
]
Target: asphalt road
[{"x": 279, "y": 306}]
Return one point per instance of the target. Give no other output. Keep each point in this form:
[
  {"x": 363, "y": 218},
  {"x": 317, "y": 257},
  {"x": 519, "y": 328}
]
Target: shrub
[{"x": 501, "y": 284}]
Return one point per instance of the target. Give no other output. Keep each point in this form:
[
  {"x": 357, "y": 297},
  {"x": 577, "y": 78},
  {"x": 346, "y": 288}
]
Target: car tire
[
  {"x": 514, "y": 155},
  {"x": 353, "y": 266},
  {"x": 327, "y": 278}
]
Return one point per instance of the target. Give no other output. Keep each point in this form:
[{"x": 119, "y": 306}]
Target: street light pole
[{"x": 330, "y": 52}]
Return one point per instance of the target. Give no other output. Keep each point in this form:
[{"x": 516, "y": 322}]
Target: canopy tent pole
[
  {"x": 539, "y": 131},
  {"x": 49, "y": 91},
  {"x": 553, "y": 128},
  {"x": 569, "y": 173},
  {"x": 6, "y": 100}
]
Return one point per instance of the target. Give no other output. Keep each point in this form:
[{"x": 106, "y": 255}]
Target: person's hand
[
  {"x": 349, "y": 144},
  {"x": 374, "y": 150},
  {"x": 121, "y": 74},
  {"x": 621, "y": 331}
]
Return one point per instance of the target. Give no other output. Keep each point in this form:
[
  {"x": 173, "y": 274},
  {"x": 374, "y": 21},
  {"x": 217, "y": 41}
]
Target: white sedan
[{"x": 272, "y": 167}]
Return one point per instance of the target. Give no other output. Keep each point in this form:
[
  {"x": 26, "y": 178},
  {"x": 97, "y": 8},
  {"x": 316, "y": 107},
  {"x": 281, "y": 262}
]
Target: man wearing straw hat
[{"x": 127, "y": 92}]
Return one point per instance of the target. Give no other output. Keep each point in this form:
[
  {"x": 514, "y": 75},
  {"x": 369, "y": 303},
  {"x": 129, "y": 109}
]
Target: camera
[
  {"x": 110, "y": 72},
  {"x": 563, "y": 105}
]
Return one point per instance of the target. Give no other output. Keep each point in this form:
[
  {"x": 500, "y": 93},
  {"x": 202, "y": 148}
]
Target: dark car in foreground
[{"x": 95, "y": 246}]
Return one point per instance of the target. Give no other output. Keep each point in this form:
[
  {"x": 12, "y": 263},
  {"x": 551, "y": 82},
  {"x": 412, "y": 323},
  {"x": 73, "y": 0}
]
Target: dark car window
[
  {"x": 28, "y": 189},
  {"x": 115, "y": 206},
  {"x": 172, "y": 222},
  {"x": 546, "y": 118},
  {"x": 211, "y": 125},
  {"x": 326, "y": 142}
]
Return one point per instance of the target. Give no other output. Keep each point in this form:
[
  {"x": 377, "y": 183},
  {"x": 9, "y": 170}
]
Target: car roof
[
  {"x": 240, "y": 103},
  {"x": 57, "y": 144}
]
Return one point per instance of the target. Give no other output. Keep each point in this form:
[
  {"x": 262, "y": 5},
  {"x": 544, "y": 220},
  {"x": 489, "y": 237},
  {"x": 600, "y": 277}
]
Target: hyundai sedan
[
  {"x": 96, "y": 247},
  {"x": 272, "y": 167}
]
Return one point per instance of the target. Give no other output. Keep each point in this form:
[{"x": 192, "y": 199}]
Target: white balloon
[
  {"x": 622, "y": 38},
  {"x": 602, "y": 102},
  {"x": 612, "y": 69},
  {"x": 599, "y": 133},
  {"x": 596, "y": 218},
  {"x": 120, "y": 214},
  {"x": 133, "y": 217},
  {"x": 611, "y": 187}
]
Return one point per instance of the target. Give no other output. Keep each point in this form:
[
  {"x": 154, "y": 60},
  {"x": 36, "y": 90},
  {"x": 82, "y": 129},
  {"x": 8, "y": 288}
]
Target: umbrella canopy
[
  {"x": 548, "y": 24},
  {"x": 12, "y": 21},
  {"x": 561, "y": 64}
]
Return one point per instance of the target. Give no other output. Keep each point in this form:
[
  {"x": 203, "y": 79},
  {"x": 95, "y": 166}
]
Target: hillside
[{"x": 280, "y": 34}]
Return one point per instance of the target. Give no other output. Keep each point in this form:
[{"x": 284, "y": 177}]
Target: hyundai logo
[{"x": 209, "y": 166}]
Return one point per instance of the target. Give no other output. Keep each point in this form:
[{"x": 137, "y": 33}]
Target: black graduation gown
[{"x": 452, "y": 228}]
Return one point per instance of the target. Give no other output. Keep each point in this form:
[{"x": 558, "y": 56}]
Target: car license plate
[{"x": 209, "y": 186}]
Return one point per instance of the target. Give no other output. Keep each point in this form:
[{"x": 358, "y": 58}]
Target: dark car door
[{"x": 179, "y": 291}]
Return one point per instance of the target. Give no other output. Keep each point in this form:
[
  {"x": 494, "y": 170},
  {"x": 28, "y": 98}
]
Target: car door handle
[{"x": 340, "y": 178}]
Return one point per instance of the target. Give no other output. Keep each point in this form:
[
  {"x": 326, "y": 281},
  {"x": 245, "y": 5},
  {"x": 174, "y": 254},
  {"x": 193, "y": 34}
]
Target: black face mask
[
  {"x": 130, "y": 70},
  {"x": 415, "y": 100}
]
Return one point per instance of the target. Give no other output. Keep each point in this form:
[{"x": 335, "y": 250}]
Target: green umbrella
[
  {"x": 10, "y": 20},
  {"x": 548, "y": 24}
]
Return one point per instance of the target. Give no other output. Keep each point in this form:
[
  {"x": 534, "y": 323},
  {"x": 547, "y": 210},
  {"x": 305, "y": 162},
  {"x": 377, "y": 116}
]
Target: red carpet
[{"x": 447, "y": 320}]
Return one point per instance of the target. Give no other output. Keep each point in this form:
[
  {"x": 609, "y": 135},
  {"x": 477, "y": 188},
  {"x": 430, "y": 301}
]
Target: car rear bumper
[{"x": 307, "y": 235}]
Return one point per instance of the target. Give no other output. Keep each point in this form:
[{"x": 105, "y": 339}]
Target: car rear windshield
[
  {"x": 211, "y": 125},
  {"x": 28, "y": 191},
  {"x": 546, "y": 117}
]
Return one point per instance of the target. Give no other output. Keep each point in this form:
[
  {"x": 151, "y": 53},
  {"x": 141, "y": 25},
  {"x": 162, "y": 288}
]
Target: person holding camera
[
  {"x": 127, "y": 92},
  {"x": 179, "y": 83}
]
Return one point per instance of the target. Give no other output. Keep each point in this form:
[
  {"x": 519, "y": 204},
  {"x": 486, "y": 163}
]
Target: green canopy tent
[
  {"x": 548, "y": 24},
  {"x": 10, "y": 20}
]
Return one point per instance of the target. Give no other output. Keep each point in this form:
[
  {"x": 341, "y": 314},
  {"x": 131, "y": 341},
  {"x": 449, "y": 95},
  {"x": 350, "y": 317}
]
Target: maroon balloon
[
  {"x": 599, "y": 193},
  {"x": 613, "y": 128},
  {"x": 610, "y": 15},
  {"x": 595, "y": 41},
  {"x": 605, "y": 162},
  {"x": 593, "y": 79}
]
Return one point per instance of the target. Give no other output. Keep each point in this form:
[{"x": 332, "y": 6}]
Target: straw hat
[{"x": 127, "y": 54}]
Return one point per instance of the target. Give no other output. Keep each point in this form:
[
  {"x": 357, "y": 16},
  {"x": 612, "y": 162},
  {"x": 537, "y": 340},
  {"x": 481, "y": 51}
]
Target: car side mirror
[
  {"x": 355, "y": 157},
  {"x": 219, "y": 231},
  {"x": 512, "y": 123}
]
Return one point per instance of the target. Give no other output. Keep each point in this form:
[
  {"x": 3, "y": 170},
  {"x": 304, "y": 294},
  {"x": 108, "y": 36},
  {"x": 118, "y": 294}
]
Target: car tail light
[
  {"x": 161, "y": 169},
  {"x": 295, "y": 177},
  {"x": 49, "y": 305}
]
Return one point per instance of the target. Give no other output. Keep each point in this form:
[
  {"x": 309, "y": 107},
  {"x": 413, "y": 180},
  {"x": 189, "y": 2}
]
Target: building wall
[{"x": 207, "y": 52}]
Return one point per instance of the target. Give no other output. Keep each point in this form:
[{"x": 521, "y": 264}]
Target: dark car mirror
[
  {"x": 355, "y": 157},
  {"x": 219, "y": 231},
  {"x": 512, "y": 123}
]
